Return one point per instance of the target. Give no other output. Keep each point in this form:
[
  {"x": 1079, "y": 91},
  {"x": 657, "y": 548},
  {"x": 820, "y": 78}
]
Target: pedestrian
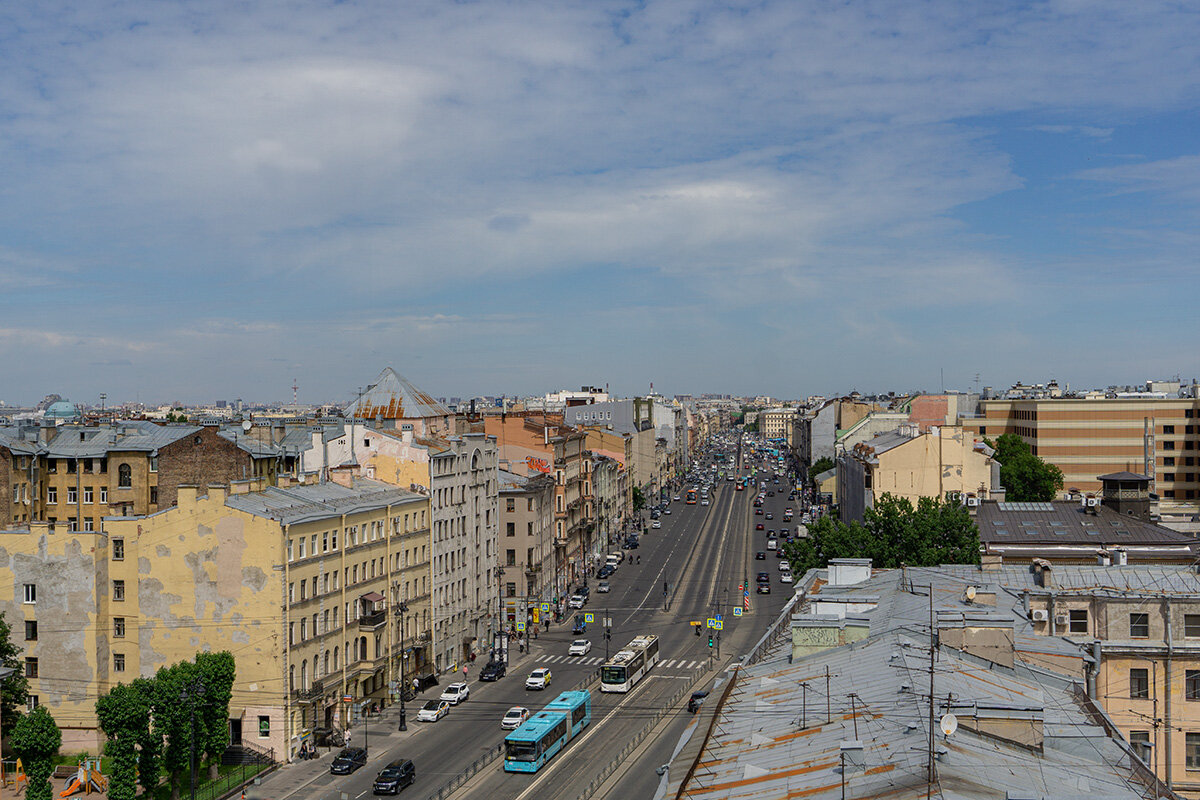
[
  {"x": 416, "y": 686},
  {"x": 472, "y": 657},
  {"x": 347, "y": 737},
  {"x": 464, "y": 671},
  {"x": 521, "y": 646}
]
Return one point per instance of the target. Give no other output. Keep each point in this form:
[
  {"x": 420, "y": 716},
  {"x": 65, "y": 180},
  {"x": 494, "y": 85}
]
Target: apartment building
[
  {"x": 526, "y": 571},
  {"x": 777, "y": 423},
  {"x": 1085, "y": 438},
  {"x": 292, "y": 580}
]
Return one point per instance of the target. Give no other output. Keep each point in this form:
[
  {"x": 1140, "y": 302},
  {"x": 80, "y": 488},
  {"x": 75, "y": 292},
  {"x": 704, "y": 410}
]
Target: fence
[
  {"x": 494, "y": 752},
  {"x": 233, "y": 781}
]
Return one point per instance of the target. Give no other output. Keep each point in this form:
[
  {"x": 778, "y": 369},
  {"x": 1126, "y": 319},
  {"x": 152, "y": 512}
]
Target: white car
[
  {"x": 456, "y": 693},
  {"x": 538, "y": 679},
  {"x": 675, "y": 498},
  {"x": 656, "y": 524},
  {"x": 785, "y": 577},
  {"x": 514, "y": 717},
  {"x": 433, "y": 711},
  {"x": 579, "y": 647},
  {"x": 576, "y": 601}
]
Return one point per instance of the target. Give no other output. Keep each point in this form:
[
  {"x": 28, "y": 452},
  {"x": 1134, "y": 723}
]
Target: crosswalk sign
[
  {"x": 589, "y": 617},
  {"x": 520, "y": 625},
  {"x": 718, "y": 625},
  {"x": 545, "y": 608},
  {"x": 737, "y": 612},
  {"x": 712, "y": 623}
]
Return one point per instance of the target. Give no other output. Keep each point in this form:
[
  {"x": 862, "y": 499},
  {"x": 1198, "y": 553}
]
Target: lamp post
[{"x": 403, "y": 684}]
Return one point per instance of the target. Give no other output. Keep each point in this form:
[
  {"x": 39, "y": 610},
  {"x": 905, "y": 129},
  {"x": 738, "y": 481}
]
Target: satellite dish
[
  {"x": 949, "y": 724},
  {"x": 970, "y": 593},
  {"x": 247, "y": 425}
]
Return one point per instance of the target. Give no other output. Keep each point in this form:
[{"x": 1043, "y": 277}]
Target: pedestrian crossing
[{"x": 669, "y": 663}]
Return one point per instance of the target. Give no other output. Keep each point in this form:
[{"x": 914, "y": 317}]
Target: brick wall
[{"x": 200, "y": 459}]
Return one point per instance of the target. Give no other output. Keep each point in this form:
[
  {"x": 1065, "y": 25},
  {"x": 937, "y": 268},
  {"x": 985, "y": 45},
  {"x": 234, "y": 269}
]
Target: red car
[{"x": 758, "y": 527}]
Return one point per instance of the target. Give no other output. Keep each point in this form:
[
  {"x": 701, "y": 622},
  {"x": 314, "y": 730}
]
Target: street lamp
[{"x": 403, "y": 684}]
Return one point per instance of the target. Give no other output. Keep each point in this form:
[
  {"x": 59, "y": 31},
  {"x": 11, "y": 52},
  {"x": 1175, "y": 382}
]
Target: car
[
  {"x": 617, "y": 556},
  {"x": 350, "y": 759},
  {"x": 583, "y": 590},
  {"x": 675, "y": 498},
  {"x": 772, "y": 543},
  {"x": 579, "y": 647},
  {"x": 784, "y": 566},
  {"x": 763, "y": 577},
  {"x": 704, "y": 502},
  {"x": 785, "y": 577},
  {"x": 538, "y": 679},
  {"x": 656, "y": 524},
  {"x": 576, "y": 601},
  {"x": 772, "y": 492},
  {"x": 602, "y": 587},
  {"x": 514, "y": 717},
  {"x": 394, "y": 777},
  {"x": 760, "y": 555},
  {"x": 605, "y": 571},
  {"x": 667, "y": 510},
  {"x": 779, "y": 552},
  {"x": 788, "y": 510},
  {"x": 770, "y": 532},
  {"x": 631, "y": 543},
  {"x": 654, "y": 514},
  {"x": 493, "y": 671},
  {"x": 759, "y": 527},
  {"x": 580, "y": 625},
  {"x": 769, "y": 515},
  {"x": 758, "y": 512},
  {"x": 456, "y": 693},
  {"x": 433, "y": 710},
  {"x": 764, "y": 588}
]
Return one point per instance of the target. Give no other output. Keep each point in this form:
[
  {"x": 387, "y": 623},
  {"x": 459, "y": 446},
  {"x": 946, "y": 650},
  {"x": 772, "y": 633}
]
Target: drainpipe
[
  {"x": 1050, "y": 613},
  {"x": 287, "y": 651},
  {"x": 1094, "y": 670},
  {"x": 1167, "y": 728}
]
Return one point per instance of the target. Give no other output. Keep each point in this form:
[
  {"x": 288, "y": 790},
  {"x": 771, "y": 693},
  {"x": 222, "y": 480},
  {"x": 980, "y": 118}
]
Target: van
[{"x": 395, "y": 776}]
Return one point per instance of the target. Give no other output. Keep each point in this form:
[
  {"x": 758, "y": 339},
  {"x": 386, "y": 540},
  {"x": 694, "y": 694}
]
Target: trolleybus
[
  {"x": 529, "y": 747},
  {"x": 622, "y": 672}
]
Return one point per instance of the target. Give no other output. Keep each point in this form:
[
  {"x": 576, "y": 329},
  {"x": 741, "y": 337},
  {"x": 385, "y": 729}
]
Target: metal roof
[
  {"x": 1067, "y": 522},
  {"x": 320, "y": 501},
  {"x": 393, "y": 397}
]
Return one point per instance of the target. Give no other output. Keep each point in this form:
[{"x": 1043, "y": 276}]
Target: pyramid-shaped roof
[{"x": 393, "y": 397}]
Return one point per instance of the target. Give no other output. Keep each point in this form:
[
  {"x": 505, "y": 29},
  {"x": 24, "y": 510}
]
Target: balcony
[{"x": 373, "y": 615}]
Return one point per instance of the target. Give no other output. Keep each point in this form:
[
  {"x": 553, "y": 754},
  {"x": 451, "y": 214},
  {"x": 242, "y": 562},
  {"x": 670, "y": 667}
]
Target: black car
[
  {"x": 763, "y": 577},
  {"x": 631, "y": 544},
  {"x": 605, "y": 571},
  {"x": 395, "y": 776},
  {"x": 350, "y": 759},
  {"x": 760, "y": 556},
  {"x": 764, "y": 588},
  {"x": 494, "y": 671}
]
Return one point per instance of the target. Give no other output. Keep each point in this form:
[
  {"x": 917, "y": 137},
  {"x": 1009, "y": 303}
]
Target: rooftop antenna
[{"x": 295, "y": 388}]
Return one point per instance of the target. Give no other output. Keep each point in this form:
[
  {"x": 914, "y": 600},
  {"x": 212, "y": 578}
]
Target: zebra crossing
[{"x": 669, "y": 663}]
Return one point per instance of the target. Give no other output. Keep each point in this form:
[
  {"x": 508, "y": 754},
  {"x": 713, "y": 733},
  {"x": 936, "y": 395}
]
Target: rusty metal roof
[{"x": 391, "y": 396}]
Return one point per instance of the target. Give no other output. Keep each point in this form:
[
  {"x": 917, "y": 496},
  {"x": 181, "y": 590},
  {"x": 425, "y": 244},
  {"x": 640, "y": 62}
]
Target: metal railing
[{"x": 234, "y": 781}]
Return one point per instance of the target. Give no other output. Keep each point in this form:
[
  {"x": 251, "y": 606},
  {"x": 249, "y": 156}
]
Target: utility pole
[
  {"x": 607, "y": 633},
  {"x": 403, "y": 682},
  {"x": 932, "y": 652}
]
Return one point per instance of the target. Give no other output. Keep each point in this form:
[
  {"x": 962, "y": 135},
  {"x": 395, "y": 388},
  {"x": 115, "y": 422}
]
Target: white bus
[{"x": 622, "y": 672}]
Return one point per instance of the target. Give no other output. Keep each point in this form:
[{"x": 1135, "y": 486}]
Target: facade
[
  {"x": 777, "y": 423},
  {"x": 1157, "y": 437},
  {"x": 913, "y": 465},
  {"x": 291, "y": 580},
  {"x": 526, "y": 546},
  {"x": 464, "y": 492},
  {"x": 609, "y": 491}
]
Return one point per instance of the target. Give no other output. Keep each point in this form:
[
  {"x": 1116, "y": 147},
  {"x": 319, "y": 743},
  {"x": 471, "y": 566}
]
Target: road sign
[
  {"x": 589, "y": 617},
  {"x": 347, "y": 698},
  {"x": 607, "y": 621},
  {"x": 521, "y": 625},
  {"x": 545, "y": 607},
  {"x": 535, "y": 614},
  {"x": 712, "y": 623},
  {"x": 718, "y": 625},
  {"x": 737, "y": 612},
  {"x": 695, "y": 622}
]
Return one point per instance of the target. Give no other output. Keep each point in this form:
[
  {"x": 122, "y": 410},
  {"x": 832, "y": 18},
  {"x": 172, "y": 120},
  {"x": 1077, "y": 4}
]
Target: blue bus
[{"x": 529, "y": 747}]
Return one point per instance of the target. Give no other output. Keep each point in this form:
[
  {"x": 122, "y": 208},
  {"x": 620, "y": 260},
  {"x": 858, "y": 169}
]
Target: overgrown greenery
[
  {"x": 14, "y": 690},
  {"x": 1025, "y": 477},
  {"x": 189, "y": 705},
  {"x": 892, "y": 533},
  {"x": 820, "y": 465},
  {"x": 36, "y": 739},
  {"x": 639, "y": 500}
]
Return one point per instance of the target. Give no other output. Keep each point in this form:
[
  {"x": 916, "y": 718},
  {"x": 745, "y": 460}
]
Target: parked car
[
  {"x": 605, "y": 571},
  {"x": 456, "y": 693},
  {"x": 493, "y": 671},
  {"x": 513, "y": 718},
  {"x": 579, "y": 647},
  {"x": 394, "y": 777},
  {"x": 538, "y": 679},
  {"x": 433, "y": 710},
  {"x": 350, "y": 759}
]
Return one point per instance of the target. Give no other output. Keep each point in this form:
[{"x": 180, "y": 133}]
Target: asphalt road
[{"x": 700, "y": 555}]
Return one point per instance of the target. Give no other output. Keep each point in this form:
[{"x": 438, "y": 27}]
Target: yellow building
[{"x": 303, "y": 584}]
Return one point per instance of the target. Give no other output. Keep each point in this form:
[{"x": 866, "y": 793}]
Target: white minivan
[{"x": 772, "y": 543}]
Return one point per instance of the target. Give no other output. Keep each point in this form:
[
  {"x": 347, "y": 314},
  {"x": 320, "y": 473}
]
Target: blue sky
[{"x": 206, "y": 200}]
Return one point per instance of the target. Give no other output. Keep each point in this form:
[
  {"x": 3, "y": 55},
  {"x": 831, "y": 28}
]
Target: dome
[{"x": 63, "y": 409}]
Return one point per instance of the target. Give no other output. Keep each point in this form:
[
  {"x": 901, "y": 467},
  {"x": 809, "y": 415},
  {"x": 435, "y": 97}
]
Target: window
[
  {"x": 1140, "y": 741},
  {"x": 1139, "y": 625},
  {"x": 1168, "y": 445},
  {"x": 511, "y": 589},
  {"x": 124, "y": 476},
  {"x": 72, "y": 495},
  {"x": 1191, "y": 684},
  {"x": 31, "y": 702},
  {"x": 1169, "y": 461},
  {"x": 1192, "y": 750},
  {"x": 31, "y": 630},
  {"x": 118, "y": 591},
  {"x": 118, "y": 662},
  {"x": 510, "y": 558},
  {"x": 30, "y": 593},
  {"x": 264, "y": 726},
  {"x": 89, "y": 524},
  {"x": 1139, "y": 683},
  {"x": 1168, "y": 428},
  {"x": 88, "y": 495},
  {"x": 1191, "y": 625},
  {"x": 510, "y": 504},
  {"x": 52, "y": 496},
  {"x": 154, "y": 495},
  {"x": 118, "y": 549},
  {"x": 103, "y": 494},
  {"x": 118, "y": 627},
  {"x": 1079, "y": 620},
  {"x": 31, "y": 668},
  {"x": 510, "y": 529}
]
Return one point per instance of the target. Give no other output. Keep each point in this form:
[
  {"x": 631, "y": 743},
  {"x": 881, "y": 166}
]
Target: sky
[{"x": 209, "y": 200}]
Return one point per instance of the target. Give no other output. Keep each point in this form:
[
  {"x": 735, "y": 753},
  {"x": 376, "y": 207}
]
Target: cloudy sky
[{"x": 204, "y": 200}]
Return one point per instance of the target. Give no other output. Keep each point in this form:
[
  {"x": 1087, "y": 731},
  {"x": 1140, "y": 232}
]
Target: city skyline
[{"x": 777, "y": 198}]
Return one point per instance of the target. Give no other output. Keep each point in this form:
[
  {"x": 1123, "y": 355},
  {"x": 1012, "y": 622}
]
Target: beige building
[
  {"x": 526, "y": 546},
  {"x": 912, "y": 465},
  {"x": 292, "y": 580},
  {"x": 777, "y": 423}
]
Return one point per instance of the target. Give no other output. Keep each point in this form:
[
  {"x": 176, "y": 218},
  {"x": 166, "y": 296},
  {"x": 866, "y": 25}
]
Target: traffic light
[
  {"x": 710, "y": 640},
  {"x": 697, "y": 627}
]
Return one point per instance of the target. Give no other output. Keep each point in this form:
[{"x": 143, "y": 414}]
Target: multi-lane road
[{"x": 690, "y": 569}]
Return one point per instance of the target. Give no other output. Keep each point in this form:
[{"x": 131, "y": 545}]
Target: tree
[
  {"x": 36, "y": 739},
  {"x": 216, "y": 672},
  {"x": 1025, "y": 477},
  {"x": 639, "y": 500},
  {"x": 822, "y": 464},
  {"x": 124, "y": 716},
  {"x": 893, "y": 533},
  {"x": 15, "y": 687}
]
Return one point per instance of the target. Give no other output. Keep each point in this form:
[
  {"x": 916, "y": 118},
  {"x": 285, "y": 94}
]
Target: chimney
[
  {"x": 991, "y": 562},
  {"x": 217, "y": 492},
  {"x": 1042, "y": 574},
  {"x": 186, "y": 495},
  {"x": 342, "y": 476},
  {"x": 1120, "y": 557},
  {"x": 1103, "y": 558}
]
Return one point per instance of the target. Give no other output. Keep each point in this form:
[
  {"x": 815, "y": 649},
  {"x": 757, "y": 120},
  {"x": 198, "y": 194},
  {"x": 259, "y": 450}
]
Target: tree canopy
[
  {"x": 820, "y": 465},
  {"x": 1025, "y": 477},
  {"x": 893, "y": 533},
  {"x": 36, "y": 739}
]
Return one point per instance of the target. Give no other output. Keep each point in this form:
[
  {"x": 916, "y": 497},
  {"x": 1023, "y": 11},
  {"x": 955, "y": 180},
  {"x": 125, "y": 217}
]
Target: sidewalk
[{"x": 291, "y": 779}]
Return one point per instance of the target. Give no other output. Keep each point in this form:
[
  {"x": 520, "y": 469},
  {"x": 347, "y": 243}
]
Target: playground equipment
[{"x": 87, "y": 779}]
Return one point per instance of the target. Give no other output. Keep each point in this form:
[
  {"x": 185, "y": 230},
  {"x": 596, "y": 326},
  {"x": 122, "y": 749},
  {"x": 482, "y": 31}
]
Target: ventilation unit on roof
[{"x": 1039, "y": 615}]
